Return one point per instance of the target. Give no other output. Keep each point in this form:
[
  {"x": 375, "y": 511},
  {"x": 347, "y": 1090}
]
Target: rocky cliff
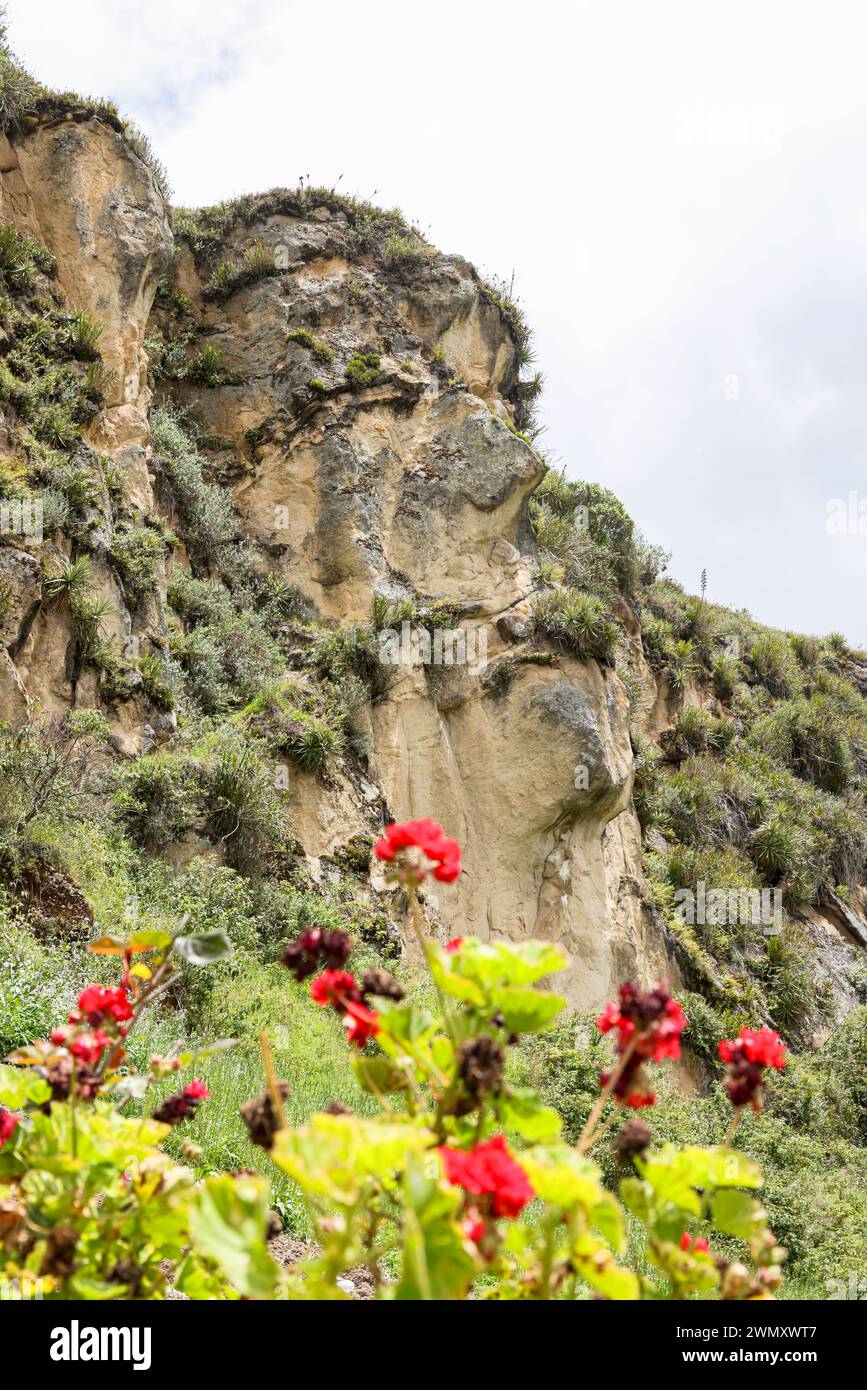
[{"x": 341, "y": 449}]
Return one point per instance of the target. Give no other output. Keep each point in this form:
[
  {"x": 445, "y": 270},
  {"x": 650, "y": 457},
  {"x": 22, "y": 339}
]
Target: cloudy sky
[{"x": 678, "y": 189}]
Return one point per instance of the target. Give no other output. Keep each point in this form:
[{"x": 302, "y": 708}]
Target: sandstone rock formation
[{"x": 359, "y": 406}]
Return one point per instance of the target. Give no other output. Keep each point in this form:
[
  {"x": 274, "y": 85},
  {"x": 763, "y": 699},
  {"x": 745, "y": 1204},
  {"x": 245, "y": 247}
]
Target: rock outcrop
[{"x": 357, "y": 395}]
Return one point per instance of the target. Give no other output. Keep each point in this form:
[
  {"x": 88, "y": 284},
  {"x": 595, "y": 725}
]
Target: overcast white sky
[{"x": 679, "y": 188}]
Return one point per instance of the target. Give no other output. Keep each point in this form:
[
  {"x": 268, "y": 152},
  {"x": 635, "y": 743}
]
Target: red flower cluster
[
  {"x": 98, "y": 1022},
  {"x": 454, "y": 945},
  {"x": 88, "y": 1047},
  {"x": 339, "y": 989},
  {"x": 100, "y": 1005},
  {"x": 434, "y": 846},
  {"x": 328, "y": 946},
  {"x": 746, "y": 1057},
  {"x": 184, "y": 1105},
  {"x": 699, "y": 1246},
  {"x": 489, "y": 1170},
  {"x": 8, "y": 1121},
  {"x": 648, "y": 1024}
]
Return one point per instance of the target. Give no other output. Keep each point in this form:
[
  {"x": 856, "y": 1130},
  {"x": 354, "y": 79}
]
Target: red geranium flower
[
  {"x": 454, "y": 945},
  {"x": 339, "y": 989},
  {"x": 697, "y": 1247},
  {"x": 89, "y": 1047},
  {"x": 473, "y": 1227},
  {"x": 637, "y": 1100},
  {"x": 433, "y": 845},
  {"x": 746, "y": 1057},
  {"x": 648, "y": 1026},
  {"x": 334, "y": 987},
  {"x": 489, "y": 1170},
  {"x": 196, "y": 1090},
  {"x": 763, "y": 1048},
  {"x": 651, "y": 1017},
  {"x": 360, "y": 1022},
  {"x": 8, "y": 1121},
  {"x": 98, "y": 1004}
]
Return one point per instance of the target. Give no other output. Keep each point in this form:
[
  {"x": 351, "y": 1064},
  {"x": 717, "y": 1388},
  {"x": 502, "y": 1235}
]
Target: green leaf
[
  {"x": 720, "y": 1167},
  {"x": 336, "y": 1156},
  {"x": 526, "y": 1010},
  {"x": 737, "y": 1213},
  {"x": 406, "y": 1021},
  {"x": 151, "y": 940},
  {"x": 228, "y": 1220},
  {"x": 378, "y": 1074},
  {"x": 107, "y": 946},
  {"x": 451, "y": 981},
  {"x": 561, "y": 1176},
  {"x": 438, "y": 1263},
  {"x": 511, "y": 963},
  {"x": 205, "y": 949},
  {"x": 637, "y": 1197},
  {"x": 607, "y": 1217},
  {"x": 597, "y": 1267},
  {"x": 521, "y": 1112},
  {"x": 89, "y": 1289},
  {"x": 18, "y": 1087},
  {"x": 670, "y": 1177}
]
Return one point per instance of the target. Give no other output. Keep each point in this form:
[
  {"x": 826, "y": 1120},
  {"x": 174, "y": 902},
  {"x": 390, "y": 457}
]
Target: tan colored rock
[
  {"x": 95, "y": 204},
  {"x": 21, "y": 586},
  {"x": 535, "y": 784},
  {"x": 13, "y": 695}
]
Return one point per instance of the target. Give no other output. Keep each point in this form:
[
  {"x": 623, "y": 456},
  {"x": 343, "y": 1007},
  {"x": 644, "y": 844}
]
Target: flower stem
[
  {"x": 424, "y": 944},
  {"x": 602, "y": 1130},
  {"x": 271, "y": 1078},
  {"x": 617, "y": 1070},
  {"x": 733, "y": 1124},
  {"x": 73, "y": 1098}
]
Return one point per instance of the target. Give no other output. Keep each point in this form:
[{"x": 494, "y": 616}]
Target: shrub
[
  {"x": 726, "y": 674},
  {"x": 577, "y": 623},
  {"x": 44, "y": 772},
  {"x": 775, "y": 665},
  {"x": 412, "y": 250},
  {"x": 22, "y": 256},
  {"x": 137, "y": 553},
  {"x": 158, "y": 798},
  {"x": 156, "y": 683},
  {"x": 206, "y": 510},
  {"x": 362, "y": 370},
  {"x": 304, "y": 338},
  {"x": 646, "y": 781},
  {"x": 206, "y": 368},
  {"x": 260, "y": 260},
  {"x": 84, "y": 333},
  {"x": 18, "y": 90},
  {"x": 243, "y": 811},
  {"x": 681, "y": 664},
  {"x": 310, "y": 742},
  {"x": 774, "y": 845}
]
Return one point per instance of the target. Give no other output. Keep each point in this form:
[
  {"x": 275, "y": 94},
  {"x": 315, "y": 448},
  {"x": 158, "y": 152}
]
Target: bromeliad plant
[{"x": 461, "y": 1182}]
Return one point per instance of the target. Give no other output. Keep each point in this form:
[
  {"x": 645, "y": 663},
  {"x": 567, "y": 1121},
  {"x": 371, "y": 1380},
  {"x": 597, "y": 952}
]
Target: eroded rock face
[
  {"x": 536, "y": 784},
  {"x": 412, "y": 482},
  {"x": 81, "y": 190},
  {"x": 21, "y": 589}
]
